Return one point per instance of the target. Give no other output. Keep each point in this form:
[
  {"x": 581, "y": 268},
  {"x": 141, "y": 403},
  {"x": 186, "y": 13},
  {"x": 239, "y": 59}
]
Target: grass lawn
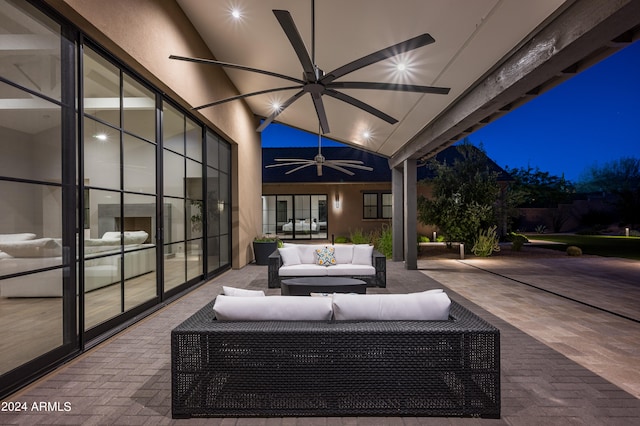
[{"x": 600, "y": 245}]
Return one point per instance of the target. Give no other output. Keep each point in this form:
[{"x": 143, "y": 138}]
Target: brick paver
[{"x": 126, "y": 380}]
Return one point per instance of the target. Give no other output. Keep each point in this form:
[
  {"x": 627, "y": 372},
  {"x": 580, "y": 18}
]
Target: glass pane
[
  {"x": 387, "y": 200},
  {"x": 34, "y": 210},
  {"x": 139, "y": 109},
  {"x": 101, "y": 155},
  {"x": 174, "y": 265},
  {"x": 102, "y": 233},
  {"x": 30, "y": 138},
  {"x": 172, "y": 129},
  {"x": 225, "y": 207},
  {"x": 269, "y": 226},
  {"x": 102, "y": 288},
  {"x": 101, "y": 88},
  {"x": 31, "y": 50},
  {"x": 194, "y": 259},
  {"x": 213, "y": 253},
  {"x": 173, "y": 174},
  {"x": 194, "y": 140},
  {"x": 215, "y": 204},
  {"x": 174, "y": 220},
  {"x": 212, "y": 150},
  {"x": 139, "y": 165},
  {"x": 194, "y": 180},
  {"x": 224, "y": 152},
  {"x": 33, "y": 322},
  {"x": 139, "y": 225},
  {"x": 225, "y": 255}
]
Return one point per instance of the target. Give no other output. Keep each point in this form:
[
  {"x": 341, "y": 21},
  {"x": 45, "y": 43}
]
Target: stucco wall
[{"x": 143, "y": 33}]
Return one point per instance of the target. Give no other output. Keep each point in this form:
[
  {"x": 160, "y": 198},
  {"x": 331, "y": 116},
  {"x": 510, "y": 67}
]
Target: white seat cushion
[
  {"x": 414, "y": 306},
  {"x": 279, "y": 308},
  {"x": 309, "y": 270},
  {"x": 349, "y": 269}
]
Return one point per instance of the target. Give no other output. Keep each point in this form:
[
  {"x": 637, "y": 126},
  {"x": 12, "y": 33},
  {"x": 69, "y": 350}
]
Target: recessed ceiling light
[
  {"x": 401, "y": 67},
  {"x": 236, "y": 13},
  {"x": 275, "y": 106},
  {"x": 100, "y": 136},
  {"x": 366, "y": 134}
]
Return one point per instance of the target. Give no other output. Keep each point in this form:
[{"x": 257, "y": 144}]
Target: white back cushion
[
  {"x": 241, "y": 292},
  {"x": 343, "y": 253},
  {"x": 362, "y": 254},
  {"x": 25, "y": 236},
  {"x": 290, "y": 256},
  {"x": 307, "y": 252},
  {"x": 414, "y": 306},
  {"x": 41, "y": 247},
  {"x": 279, "y": 308}
]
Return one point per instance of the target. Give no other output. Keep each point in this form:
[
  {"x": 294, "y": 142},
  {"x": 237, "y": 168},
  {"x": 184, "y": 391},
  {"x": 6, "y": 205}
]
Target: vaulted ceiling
[{"x": 493, "y": 55}]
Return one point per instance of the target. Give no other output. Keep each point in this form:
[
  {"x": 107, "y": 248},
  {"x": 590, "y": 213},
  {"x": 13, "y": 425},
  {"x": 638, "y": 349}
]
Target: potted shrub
[{"x": 263, "y": 246}]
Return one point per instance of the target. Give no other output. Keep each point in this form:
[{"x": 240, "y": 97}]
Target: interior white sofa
[
  {"x": 359, "y": 261},
  {"x": 20, "y": 253}
]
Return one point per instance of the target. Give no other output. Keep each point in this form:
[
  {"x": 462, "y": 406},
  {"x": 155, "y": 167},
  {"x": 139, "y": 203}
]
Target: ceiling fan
[
  {"x": 319, "y": 160},
  {"x": 318, "y": 83}
]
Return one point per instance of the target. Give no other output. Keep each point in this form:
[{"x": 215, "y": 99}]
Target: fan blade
[
  {"x": 235, "y": 66},
  {"x": 319, "y": 168},
  {"x": 359, "y": 104},
  {"x": 355, "y": 166},
  {"x": 322, "y": 114},
  {"x": 341, "y": 169},
  {"x": 293, "y": 163},
  {"x": 389, "y": 52},
  {"x": 246, "y": 95},
  {"x": 291, "y": 159},
  {"x": 290, "y": 29},
  {"x": 299, "y": 168},
  {"x": 389, "y": 86},
  {"x": 284, "y": 106}
]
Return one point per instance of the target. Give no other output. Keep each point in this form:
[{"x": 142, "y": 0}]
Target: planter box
[{"x": 262, "y": 250}]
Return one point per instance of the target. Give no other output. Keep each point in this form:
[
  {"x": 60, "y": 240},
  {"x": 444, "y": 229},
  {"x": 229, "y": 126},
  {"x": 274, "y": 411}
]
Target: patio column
[
  {"x": 410, "y": 214},
  {"x": 397, "y": 214}
]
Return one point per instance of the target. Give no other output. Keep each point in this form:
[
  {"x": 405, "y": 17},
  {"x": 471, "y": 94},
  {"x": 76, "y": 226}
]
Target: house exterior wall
[
  {"x": 349, "y": 216},
  {"x": 143, "y": 33}
]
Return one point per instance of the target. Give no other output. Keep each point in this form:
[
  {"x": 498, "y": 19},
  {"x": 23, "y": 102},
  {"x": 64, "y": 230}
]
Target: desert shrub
[
  {"x": 359, "y": 237},
  {"x": 440, "y": 239},
  {"x": 574, "y": 251},
  {"x": 423, "y": 239},
  {"x": 486, "y": 242},
  {"x": 541, "y": 229},
  {"x": 517, "y": 240},
  {"x": 384, "y": 242},
  {"x": 340, "y": 240}
]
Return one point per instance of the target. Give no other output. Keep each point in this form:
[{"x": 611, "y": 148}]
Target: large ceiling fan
[
  {"x": 319, "y": 160},
  {"x": 318, "y": 83}
]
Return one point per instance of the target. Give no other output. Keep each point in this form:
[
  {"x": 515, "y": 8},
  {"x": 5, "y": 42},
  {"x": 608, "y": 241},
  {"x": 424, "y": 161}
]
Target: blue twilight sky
[{"x": 592, "y": 118}]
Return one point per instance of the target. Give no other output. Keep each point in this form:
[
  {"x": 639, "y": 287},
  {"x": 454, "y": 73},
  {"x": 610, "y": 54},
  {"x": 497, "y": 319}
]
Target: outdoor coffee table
[{"x": 306, "y": 285}]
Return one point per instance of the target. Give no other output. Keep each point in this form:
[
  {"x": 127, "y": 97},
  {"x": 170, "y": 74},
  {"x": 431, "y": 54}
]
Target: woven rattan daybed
[{"x": 335, "y": 368}]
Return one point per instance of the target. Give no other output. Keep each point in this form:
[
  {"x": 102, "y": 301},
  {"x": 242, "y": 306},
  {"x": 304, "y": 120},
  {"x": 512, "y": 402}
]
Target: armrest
[
  {"x": 275, "y": 262},
  {"x": 379, "y": 261}
]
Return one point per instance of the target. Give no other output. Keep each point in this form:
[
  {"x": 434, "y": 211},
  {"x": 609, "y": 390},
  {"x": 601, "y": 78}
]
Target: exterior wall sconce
[
  {"x": 220, "y": 206},
  {"x": 337, "y": 201}
]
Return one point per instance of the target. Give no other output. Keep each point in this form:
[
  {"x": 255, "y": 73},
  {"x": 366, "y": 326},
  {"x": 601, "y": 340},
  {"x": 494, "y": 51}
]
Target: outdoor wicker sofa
[
  {"x": 335, "y": 368},
  {"x": 374, "y": 273}
]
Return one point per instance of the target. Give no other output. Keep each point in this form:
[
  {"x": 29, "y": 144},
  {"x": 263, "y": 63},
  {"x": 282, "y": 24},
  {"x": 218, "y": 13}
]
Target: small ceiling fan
[
  {"x": 319, "y": 160},
  {"x": 315, "y": 82}
]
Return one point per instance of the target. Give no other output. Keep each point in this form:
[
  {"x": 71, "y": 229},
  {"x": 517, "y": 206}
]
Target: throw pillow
[
  {"x": 276, "y": 308},
  {"x": 326, "y": 256},
  {"x": 290, "y": 256},
  {"x": 241, "y": 292},
  {"x": 362, "y": 254}
]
